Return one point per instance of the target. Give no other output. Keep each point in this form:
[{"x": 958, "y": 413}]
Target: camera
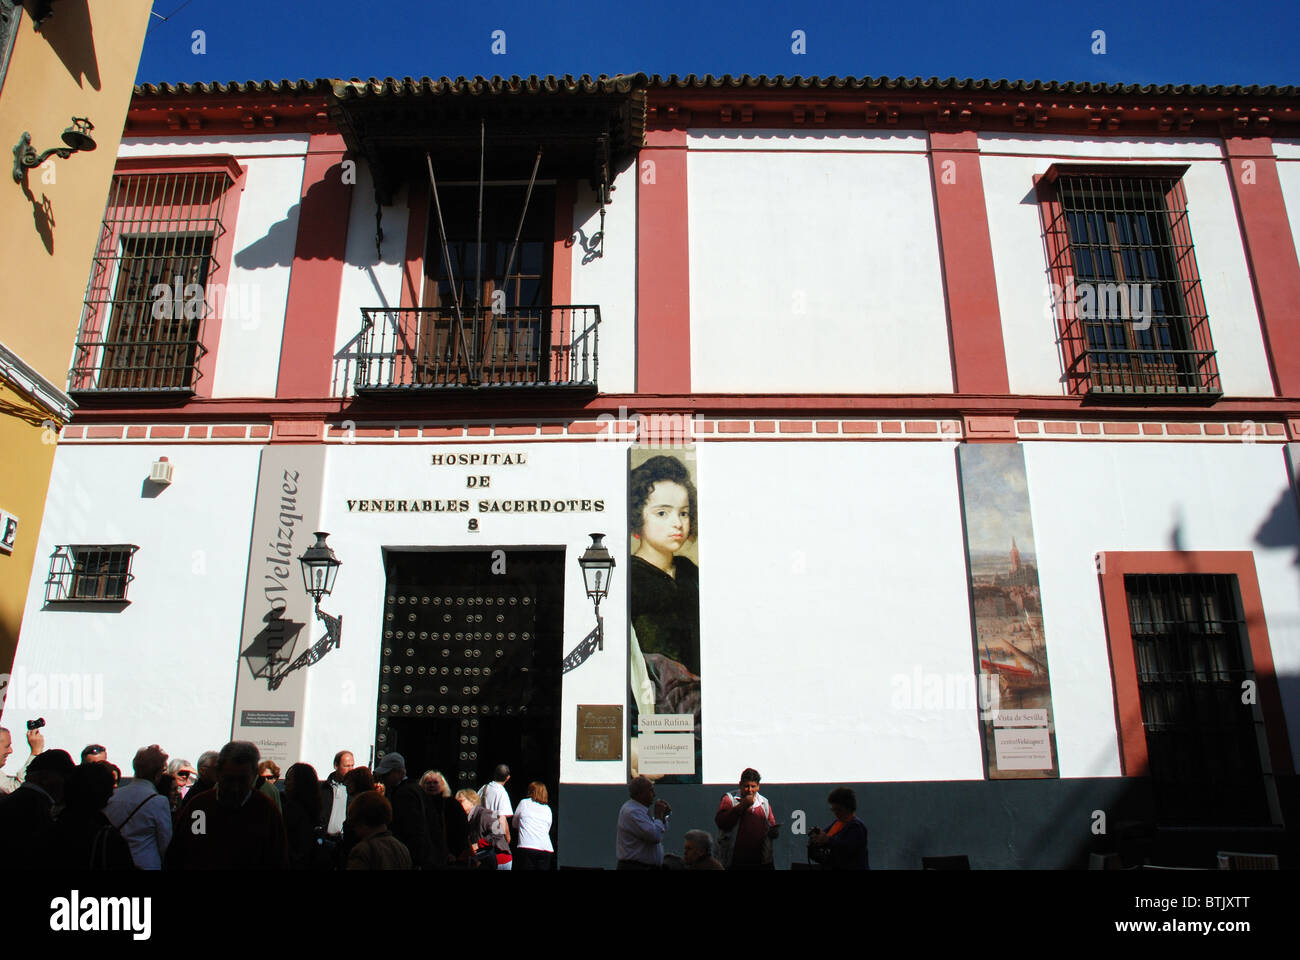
[{"x": 35, "y": 724}]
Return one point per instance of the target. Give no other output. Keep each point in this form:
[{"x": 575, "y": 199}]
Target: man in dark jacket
[
  {"x": 232, "y": 827},
  {"x": 334, "y": 795},
  {"x": 82, "y": 837},
  {"x": 410, "y": 824},
  {"x": 26, "y": 822}
]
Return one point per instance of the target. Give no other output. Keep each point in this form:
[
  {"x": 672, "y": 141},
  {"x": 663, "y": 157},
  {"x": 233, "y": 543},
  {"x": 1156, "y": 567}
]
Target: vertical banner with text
[
  {"x": 1015, "y": 692},
  {"x": 664, "y": 615},
  {"x": 279, "y": 617}
]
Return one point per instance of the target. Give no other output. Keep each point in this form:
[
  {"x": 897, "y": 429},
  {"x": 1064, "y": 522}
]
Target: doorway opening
[{"x": 470, "y": 673}]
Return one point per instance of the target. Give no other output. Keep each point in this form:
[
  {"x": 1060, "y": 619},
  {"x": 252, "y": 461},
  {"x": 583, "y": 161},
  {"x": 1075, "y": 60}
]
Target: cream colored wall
[{"x": 82, "y": 62}]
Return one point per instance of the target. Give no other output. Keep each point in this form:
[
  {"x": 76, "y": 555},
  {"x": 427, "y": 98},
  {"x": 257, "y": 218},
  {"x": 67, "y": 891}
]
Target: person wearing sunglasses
[
  {"x": 268, "y": 775},
  {"x": 183, "y": 772},
  {"x": 180, "y": 777},
  {"x": 94, "y": 753}
]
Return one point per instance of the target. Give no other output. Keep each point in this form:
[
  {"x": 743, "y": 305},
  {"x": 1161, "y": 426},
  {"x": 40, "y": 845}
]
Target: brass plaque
[{"x": 600, "y": 732}]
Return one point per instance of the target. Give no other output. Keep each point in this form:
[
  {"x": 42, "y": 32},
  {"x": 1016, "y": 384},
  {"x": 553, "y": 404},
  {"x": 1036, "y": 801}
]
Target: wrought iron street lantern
[
  {"x": 597, "y": 570},
  {"x": 319, "y": 568}
]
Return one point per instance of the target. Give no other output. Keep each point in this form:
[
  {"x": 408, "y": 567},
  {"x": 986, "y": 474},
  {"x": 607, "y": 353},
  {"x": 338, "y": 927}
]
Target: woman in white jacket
[{"x": 533, "y": 828}]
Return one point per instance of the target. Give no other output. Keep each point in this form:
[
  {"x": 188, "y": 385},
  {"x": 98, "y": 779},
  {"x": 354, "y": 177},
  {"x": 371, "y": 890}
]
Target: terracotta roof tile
[{"x": 623, "y": 83}]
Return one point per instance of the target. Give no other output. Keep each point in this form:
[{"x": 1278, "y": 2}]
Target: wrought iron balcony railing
[
  {"x": 135, "y": 366},
  {"x": 419, "y": 348},
  {"x": 1147, "y": 373}
]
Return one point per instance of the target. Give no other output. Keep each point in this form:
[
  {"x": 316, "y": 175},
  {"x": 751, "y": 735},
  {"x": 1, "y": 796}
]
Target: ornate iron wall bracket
[
  {"x": 333, "y": 638},
  {"x": 590, "y": 644}
]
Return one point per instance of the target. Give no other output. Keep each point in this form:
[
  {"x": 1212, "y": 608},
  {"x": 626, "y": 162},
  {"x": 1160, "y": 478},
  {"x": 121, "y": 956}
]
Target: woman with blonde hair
[
  {"x": 533, "y": 828},
  {"x": 446, "y": 820},
  {"x": 435, "y": 784},
  {"x": 488, "y": 846}
]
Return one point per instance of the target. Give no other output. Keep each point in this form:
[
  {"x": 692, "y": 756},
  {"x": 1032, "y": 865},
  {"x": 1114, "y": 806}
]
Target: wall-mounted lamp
[
  {"x": 597, "y": 569},
  {"x": 319, "y": 568},
  {"x": 77, "y": 137}
]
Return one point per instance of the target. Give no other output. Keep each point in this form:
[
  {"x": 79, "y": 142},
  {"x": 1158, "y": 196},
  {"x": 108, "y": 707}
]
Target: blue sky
[{"x": 1146, "y": 41}]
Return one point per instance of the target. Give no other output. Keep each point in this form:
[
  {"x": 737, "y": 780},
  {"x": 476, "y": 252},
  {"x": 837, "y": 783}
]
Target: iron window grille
[
  {"x": 90, "y": 572},
  {"x": 1207, "y": 749},
  {"x": 148, "y": 297},
  {"x": 1126, "y": 289}
]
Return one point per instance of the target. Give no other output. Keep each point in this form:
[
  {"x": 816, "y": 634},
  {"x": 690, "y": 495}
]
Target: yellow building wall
[
  {"x": 82, "y": 62},
  {"x": 27, "y": 451}
]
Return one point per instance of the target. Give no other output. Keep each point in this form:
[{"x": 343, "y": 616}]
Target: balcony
[
  {"x": 115, "y": 367},
  {"x": 1146, "y": 374},
  {"x": 442, "y": 348}
]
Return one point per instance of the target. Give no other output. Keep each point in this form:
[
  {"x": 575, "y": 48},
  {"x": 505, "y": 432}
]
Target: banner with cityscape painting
[{"x": 1015, "y": 692}]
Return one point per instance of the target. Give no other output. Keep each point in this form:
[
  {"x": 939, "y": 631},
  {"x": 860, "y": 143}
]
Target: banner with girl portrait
[{"x": 664, "y": 615}]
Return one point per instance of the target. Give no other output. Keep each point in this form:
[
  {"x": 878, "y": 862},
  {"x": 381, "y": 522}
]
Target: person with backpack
[
  {"x": 141, "y": 814},
  {"x": 82, "y": 838}
]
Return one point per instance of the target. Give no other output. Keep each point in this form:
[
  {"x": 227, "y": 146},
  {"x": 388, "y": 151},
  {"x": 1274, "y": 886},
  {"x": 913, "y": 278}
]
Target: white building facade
[{"x": 998, "y": 554}]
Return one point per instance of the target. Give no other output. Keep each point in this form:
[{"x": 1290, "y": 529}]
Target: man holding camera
[{"x": 35, "y": 743}]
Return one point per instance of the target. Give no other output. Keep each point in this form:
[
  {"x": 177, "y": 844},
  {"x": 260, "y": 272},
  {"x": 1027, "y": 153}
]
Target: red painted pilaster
[
  {"x": 663, "y": 289},
  {"x": 225, "y": 252},
  {"x": 307, "y": 348},
  {"x": 562, "y": 324},
  {"x": 979, "y": 360},
  {"x": 566, "y": 193},
  {"x": 1270, "y": 253}
]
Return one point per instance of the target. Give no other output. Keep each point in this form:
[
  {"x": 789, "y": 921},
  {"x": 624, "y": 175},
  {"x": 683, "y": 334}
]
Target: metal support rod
[
  {"x": 480, "y": 336},
  {"x": 514, "y": 247},
  {"x": 446, "y": 259},
  {"x": 478, "y": 237}
]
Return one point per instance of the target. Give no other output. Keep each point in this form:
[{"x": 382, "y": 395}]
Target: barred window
[
  {"x": 1206, "y": 747},
  {"x": 147, "y": 298},
  {"x": 80, "y": 572},
  {"x": 1127, "y": 291}
]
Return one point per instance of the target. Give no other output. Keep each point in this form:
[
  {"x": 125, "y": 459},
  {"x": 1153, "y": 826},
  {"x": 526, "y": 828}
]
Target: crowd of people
[{"x": 231, "y": 811}]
